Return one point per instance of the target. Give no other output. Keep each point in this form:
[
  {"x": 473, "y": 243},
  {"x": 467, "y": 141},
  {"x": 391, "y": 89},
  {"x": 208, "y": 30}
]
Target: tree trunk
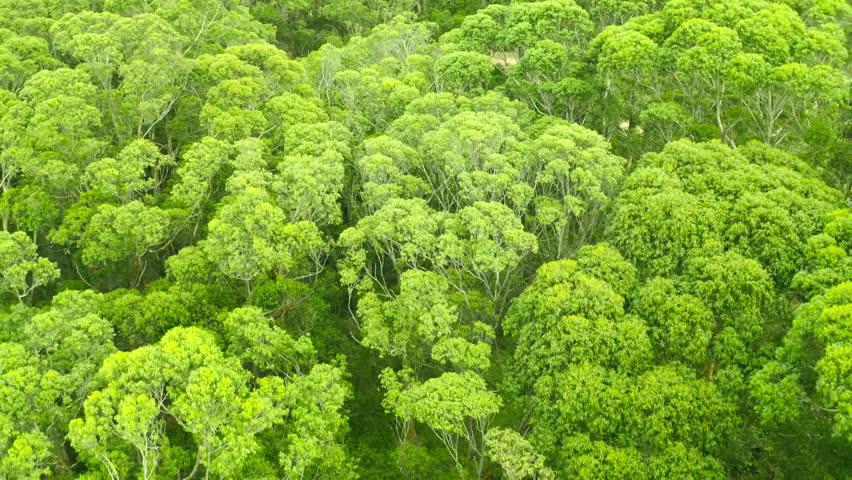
[{"x": 410, "y": 432}]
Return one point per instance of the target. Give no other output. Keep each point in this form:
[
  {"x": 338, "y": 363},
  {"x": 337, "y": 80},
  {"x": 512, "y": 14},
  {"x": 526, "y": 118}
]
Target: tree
[
  {"x": 575, "y": 177},
  {"x": 128, "y": 231},
  {"x": 249, "y": 236},
  {"x": 288, "y": 110},
  {"x": 23, "y": 269},
  {"x": 420, "y": 326},
  {"x": 479, "y": 248},
  {"x": 398, "y": 236},
  {"x": 126, "y": 177},
  {"x": 596, "y": 421},
  {"x": 31, "y": 394},
  {"x": 574, "y": 312},
  {"x": 679, "y": 323},
  {"x": 317, "y": 426},
  {"x": 565, "y": 173},
  {"x": 688, "y": 200},
  {"x": 455, "y": 406},
  {"x": 488, "y": 244},
  {"x": 140, "y": 319},
  {"x": 254, "y": 339},
  {"x": 28, "y": 457},
  {"x": 45, "y": 377},
  {"x": 186, "y": 377},
  {"x": 309, "y": 187},
  {"x": 463, "y": 71},
  {"x": 384, "y": 173},
  {"x": 63, "y": 126},
  {"x": 827, "y": 253},
  {"x": 821, "y": 321},
  {"x": 515, "y": 455},
  {"x": 223, "y": 416},
  {"x": 31, "y": 208},
  {"x": 199, "y": 173}
]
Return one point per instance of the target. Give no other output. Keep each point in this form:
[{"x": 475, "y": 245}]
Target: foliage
[{"x": 425, "y": 239}]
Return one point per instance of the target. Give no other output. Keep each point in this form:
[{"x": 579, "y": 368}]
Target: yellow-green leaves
[
  {"x": 455, "y": 406},
  {"x": 818, "y": 340},
  {"x": 187, "y": 379},
  {"x": 127, "y": 231},
  {"x": 259, "y": 342},
  {"x": 693, "y": 199},
  {"x": 571, "y": 314},
  {"x": 125, "y": 177},
  {"x": 27, "y": 457},
  {"x": 447, "y": 402},
  {"x": 516, "y": 456},
  {"x": 463, "y": 71},
  {"x": 22, "y": 269},
  {"x": 249, "y": 236}
]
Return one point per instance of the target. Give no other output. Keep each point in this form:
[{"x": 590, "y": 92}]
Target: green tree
[
  {"x": 515, "y": 455},
  {"x": 126, "y": 232},
  {"x": 455, "y": 406},
  {"x": 23, "y": 269},
  {"x": 250, "y": 236}
]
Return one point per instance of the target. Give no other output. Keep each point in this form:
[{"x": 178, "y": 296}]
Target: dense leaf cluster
[{"x": 381, "y": 239}]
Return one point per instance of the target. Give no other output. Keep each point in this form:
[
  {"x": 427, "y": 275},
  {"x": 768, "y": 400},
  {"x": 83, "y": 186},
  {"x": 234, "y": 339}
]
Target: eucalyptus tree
[
  {"x": 23, "y": 269},
  {"x": 186, "y": 378}
]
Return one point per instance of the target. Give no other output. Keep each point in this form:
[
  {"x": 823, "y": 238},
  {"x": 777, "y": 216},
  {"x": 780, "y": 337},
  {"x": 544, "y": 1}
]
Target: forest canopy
[{"x": 425, "y": 239}]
